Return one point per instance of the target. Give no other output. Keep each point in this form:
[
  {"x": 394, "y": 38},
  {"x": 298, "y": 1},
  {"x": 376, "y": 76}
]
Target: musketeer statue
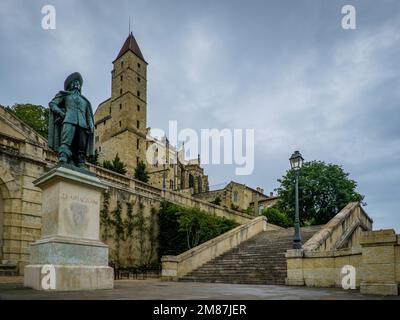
[{"x": 71, "y": 123}]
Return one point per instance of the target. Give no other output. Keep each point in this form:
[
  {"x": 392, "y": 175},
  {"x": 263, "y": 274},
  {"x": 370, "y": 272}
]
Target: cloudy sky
[{"x": 285, "y": 68}]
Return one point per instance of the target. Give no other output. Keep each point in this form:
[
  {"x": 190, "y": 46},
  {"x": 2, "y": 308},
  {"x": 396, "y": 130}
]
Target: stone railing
[
  {"x": 348, "y": 241},
  {"x": 339, "y": 233},
  {"x": 191, "y": 202},
  {"x": 174, "y": 267}
]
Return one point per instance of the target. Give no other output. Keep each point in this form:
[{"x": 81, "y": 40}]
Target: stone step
[{"x": 260, "y": 260}]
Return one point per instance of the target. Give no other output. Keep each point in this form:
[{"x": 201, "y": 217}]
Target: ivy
[{"x": 105, "y": 217}]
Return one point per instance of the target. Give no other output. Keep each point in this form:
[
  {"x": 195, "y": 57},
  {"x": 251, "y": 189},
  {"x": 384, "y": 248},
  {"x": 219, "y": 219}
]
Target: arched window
[{"x": 191, "y": 181}]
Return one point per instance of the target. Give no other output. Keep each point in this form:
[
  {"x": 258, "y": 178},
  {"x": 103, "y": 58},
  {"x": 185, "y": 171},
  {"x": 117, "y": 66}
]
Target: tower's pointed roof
[{"x": 131, "y": 45}]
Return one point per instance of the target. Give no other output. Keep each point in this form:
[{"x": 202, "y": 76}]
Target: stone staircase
[
  {"x": 259, "y": 260},
  {"x": 8, "y": 270}
]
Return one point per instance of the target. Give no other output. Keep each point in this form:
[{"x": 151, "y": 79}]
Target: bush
[
  {"x": 217, "y": 201},
  {"x": 182, "y": 229},
  {"x": 116, "y": 165},
  {"x": 277, "y": 217},
  {"x": 141, "y": 172}
]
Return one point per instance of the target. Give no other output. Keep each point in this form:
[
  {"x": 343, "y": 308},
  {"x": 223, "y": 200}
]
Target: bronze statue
[{"x": 71, "y": 123}]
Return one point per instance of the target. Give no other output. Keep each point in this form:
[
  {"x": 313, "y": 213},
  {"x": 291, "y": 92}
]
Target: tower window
[
  {"x": 122, "y": 78},
  {"x": 120, "y": 106},
  {"x": 120, "y": 91},
  {"x": 137, "y": 124},
  {"x": 138, "y": 93},
  {"x": 120, "y": 123},
  {"x": 138, "y": 108},
  {"x": 138, "y": 79},
  {"x": 99, "y": 149},
  {"x": 137, "y": 144},
  {"x": 138, "y": 65},
  {"x": 122, "y": 64}
]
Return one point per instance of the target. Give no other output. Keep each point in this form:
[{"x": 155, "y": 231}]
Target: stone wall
[{"x": 348, "y": 239}]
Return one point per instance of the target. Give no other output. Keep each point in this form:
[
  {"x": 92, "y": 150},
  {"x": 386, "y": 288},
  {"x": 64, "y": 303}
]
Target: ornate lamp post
[{"x": 296, "y": 161}]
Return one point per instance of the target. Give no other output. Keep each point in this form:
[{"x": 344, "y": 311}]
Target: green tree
[
  {"x": 35, "y": 116},
  {"x": 118, "y": 165},
  {"x": 181, "y": 228},
  {"x": 324, "y": 190},
  {"x": 277, "y": 217},
  {"x": 115, "y": 165},
  {"x": 141, "y": 172}
]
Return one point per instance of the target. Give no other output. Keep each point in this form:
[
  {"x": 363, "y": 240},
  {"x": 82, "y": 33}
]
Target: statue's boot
[
  {"x": 64, "y": 153},
  {"x": 81, "y": 160}
]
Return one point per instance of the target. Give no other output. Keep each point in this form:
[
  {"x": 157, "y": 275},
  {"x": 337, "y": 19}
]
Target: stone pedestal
[{"x": 70, "y": 244}]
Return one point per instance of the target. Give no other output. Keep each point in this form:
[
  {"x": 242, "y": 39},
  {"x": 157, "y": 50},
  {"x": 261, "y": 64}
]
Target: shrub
[{"x": 182, "y": 229}]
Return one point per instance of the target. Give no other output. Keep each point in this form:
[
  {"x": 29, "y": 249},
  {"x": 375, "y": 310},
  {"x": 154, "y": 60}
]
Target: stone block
[
  {"x": 385, "y": 289},
  {"x": 61, "y": 251},
  {"x": 71, "y": 278}
]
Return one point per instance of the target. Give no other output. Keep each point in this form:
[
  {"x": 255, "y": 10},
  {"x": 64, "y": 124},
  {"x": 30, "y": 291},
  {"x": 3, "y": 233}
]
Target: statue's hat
[{"x": 72, "y": 77}]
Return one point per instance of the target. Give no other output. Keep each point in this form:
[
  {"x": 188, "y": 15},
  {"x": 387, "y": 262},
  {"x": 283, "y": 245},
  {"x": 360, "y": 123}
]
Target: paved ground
[{"x": 155, "y": 289}]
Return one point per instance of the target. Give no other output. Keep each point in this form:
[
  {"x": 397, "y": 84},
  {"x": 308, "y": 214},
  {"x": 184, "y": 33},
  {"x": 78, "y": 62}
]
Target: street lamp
[{"x": 296, "y": 161}]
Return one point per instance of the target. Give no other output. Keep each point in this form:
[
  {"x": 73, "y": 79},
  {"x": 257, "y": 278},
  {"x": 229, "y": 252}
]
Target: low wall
[
  {"x": 376, "y": 262},
  {"x": 191, "y": 202},
  {"x": 174, "y": 267},
  {"x": 342, "y": 231}
]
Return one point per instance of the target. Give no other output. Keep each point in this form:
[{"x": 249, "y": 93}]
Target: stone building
[
  {"x": 169, "y": 169},
  {"x": 121, "y": 127},
  {"x": 24, "y": 156},
  {"x": 235, "y": 196}
]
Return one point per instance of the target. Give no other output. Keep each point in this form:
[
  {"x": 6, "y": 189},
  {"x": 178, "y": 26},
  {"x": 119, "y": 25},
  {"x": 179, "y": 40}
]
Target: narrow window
[
  {"x": 122, "y": 64},
  {"x": 138, "y": 65},
  {"x": 120, "y": 106},
  {"x": 120, "y": 123},
  {"x": 99, "y": 149},
  {"x": 122, "y": 78},
  {"x": 138, "y": 93},
  {"x": 104, "y": 122},
  {"x": 138, "y": 108},
  {"x": 137, "y": 124},
  {"x": 120, "y": 91},
  {"x": 137, "y": 144},
  {"x": 138, "y": 79}
]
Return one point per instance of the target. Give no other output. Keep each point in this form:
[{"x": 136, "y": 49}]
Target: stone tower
[{"x": 121, "y": 120}]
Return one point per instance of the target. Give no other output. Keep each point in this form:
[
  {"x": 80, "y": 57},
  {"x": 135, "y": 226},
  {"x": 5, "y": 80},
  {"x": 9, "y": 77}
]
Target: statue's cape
[{"x": 55, "y": 126}]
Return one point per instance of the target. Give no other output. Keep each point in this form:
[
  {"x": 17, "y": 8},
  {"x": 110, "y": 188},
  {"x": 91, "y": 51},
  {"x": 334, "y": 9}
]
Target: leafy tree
[
  {"x": 277, "y": 217},
  {"x": 141, "y": 172},
  {"x": 36, "y": 116},
  {"x": 182, "y": 229},
  {"x": 324, "y": 189}
]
